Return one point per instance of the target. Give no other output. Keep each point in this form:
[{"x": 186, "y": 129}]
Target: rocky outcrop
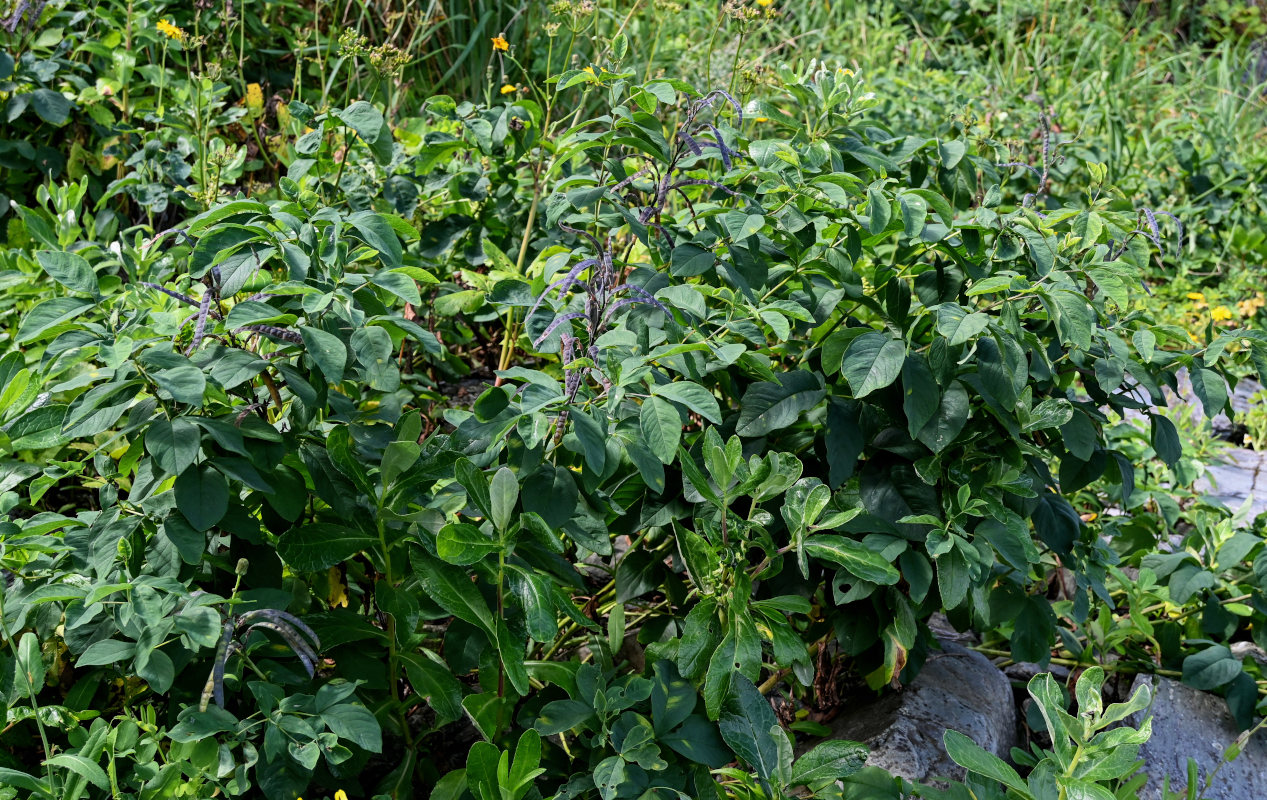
[
  {"x": 957, "y": 689},
  {"x": 1188, "y": 723}
]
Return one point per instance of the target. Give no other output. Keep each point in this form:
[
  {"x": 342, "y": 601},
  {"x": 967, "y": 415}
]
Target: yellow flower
[
  {"x": 590, "y": 70},
  {"x": 1221, "y": 313},
  {"x": 762, "y": 119},
  {"x": 340, "y": 795},
  {"x": 500, "y": 44},
  {"x": 254, "y": 97},
  {"x": 508, "y": 88},
  {"x": 1195, "y": 296},
  {"x": 169, "y": 30},
  {"x": 765, "y": 3},
  {"x": 338, "y": 589}
]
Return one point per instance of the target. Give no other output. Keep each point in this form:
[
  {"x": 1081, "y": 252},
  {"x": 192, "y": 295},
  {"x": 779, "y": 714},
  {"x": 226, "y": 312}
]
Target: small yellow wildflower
[
  {"x": 1195, "y": 296},
  {"x": 500, "y": 43},
  {"x": 254, "y": 97},
  {"x": 1250, "y": 306},
  {"x": 1221, "y": 313},
  {"x": 1090, "y": 516},
  {"x": 765, "y": 3},
  {"x": 508, "y": 88},
  {"x": 169, "y": 30},
  {"x": 340, "y": 795},
  {"x": 590, "y": 70},
  {"x": 762, "y": 119}
]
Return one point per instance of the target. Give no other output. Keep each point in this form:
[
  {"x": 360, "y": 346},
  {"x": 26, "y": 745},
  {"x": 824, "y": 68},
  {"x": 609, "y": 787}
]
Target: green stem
[{"x": 35, "y": 704}]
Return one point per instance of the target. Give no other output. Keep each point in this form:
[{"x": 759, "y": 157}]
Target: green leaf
[
  {"x": 50, "y": 106},
  {"x": 558, "y": 716},
  {"x": 81, "y": 767},
  {"x": 1165, "y": 440},
  {"x": 462, "y": 543},
  {"x": 363, "y": 118},
  {"x": 30, "y": 672},
  {"x": 504, "y": 491},
  {"x": 693, "y": 396},
  {"x": 1210, "y": 387},
  {"x": 879, "y": 210},
  {"x": 948, "y": 422},
  {"x": 356, "y": 724},
  {"x": 661, "y": 427},
  {"x": 70, "y": 270},
  {"x": 185, "y": 382},
  {"x": 967, "y": 754},
  {"x": 1210, "y": 668},
  {"x": 872, "y": 361},
  {"x": 959, "y": 326},
  {"x": 745, "y": 725},
  {"x": 173, "y": 444},
  {"x": 106, "y": 651},
  {"x": 609, "y": 775},
  {"x": 49, "y": 314},
  {"x": 828, "y": 762},
  {"x": 327, "y": 350},
  {"x": 373, "y": 228},
  {"x": 202, "y": 495},
  {"x": 767, "y": 407},
  {"x": 921, "y": 397},
  {"x": 321, "y": 545},
  {"x": 858, "y": 560}
]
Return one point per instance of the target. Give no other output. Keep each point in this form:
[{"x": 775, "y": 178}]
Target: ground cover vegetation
[{"x": 592, "y": 399}]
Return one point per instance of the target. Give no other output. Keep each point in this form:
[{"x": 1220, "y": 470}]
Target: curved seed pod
[
  {"x": 177, "y": 296},
  {"x": 1032, "y": 169},
  {"x": 563, "y": 284},
  {"x": 557, "y": 322},
  {"x": 643, "y": 296},
  {"x": 274, "y": 331},
  {"x": 293, "y": 641},
  {"x": 200, "y": 329},
  {"x": 630, "y": 179},
  {"x": 215, "y": 681},
  {"x": 691, "y": 143},
  {"x": 705, "y": 182},
  {"x": 1152, "y": 226},
  {"x": 277, "y": 615}
]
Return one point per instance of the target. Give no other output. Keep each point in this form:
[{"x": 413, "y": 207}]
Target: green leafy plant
[{"x": 1091, "y": 752}]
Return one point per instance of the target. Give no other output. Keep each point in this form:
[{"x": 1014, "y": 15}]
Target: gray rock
[
  {"x": 1188, "y": 723},
  {"x": 958, "y": 689},
  {"x": 1239, "y": 476}
]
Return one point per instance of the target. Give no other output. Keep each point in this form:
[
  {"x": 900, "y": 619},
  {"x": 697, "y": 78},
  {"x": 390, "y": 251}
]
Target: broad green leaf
[
  {"x": 504, "y": 491},
  {"x": 958, "y": 325},
  {"x": 693, "y": 396},
  {"x": 321, "y": 545},
  {"x": 828, "y": 762},
  {"x": 860, "y": 561},
  {"x": 767, "y": 407},
  {"x": 1210, "y": 668},
  {"x": 462, "y": 543},
  {"x": 202, "y": 495},
  {"x": 872, "y": 361},
  {"x": 969, "y": 755},
  {"x": 327, "y": 350},
  {"x": 70, "y": 270},
  {"x": 661, "y": 426},
  {"x": 745, "y": 725}
]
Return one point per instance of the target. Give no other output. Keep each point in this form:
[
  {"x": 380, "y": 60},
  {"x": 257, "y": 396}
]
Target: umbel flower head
[{"x": 169, "y": 30}]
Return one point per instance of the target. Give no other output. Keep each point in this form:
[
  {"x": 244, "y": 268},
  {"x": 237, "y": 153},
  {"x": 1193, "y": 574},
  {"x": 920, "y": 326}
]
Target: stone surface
[
  {"x": 1239, "y": 476},
  {"x": 958, "y": 689},
  {"x": 1188, "y": 723}
]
